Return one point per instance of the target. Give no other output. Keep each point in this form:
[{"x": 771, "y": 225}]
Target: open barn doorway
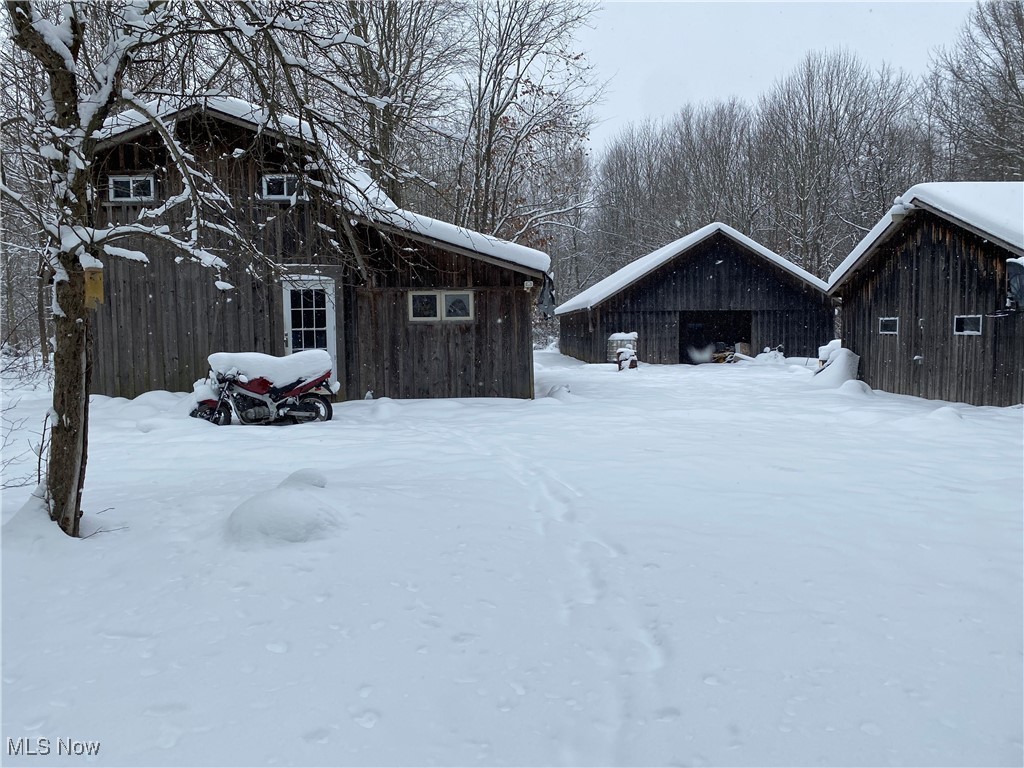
[{"x": 705, "y": 335}]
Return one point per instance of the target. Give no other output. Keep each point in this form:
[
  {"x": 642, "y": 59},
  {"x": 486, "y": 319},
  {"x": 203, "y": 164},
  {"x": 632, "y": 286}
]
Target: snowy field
[{"x": 713, "y": 565}]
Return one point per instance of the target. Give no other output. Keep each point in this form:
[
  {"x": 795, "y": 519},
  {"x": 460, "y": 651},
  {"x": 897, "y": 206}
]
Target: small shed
[
  {"x": 712, "y": 289},
  {"x": 927, "y": 301}
]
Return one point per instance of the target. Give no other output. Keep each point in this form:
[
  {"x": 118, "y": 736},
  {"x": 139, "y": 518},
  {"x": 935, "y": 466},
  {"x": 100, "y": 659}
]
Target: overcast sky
[{"x": 660, "y": 55}]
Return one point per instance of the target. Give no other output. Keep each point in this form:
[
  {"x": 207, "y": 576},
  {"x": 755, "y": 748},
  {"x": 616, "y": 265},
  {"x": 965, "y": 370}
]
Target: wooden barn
[
  {"x": 714, "y": 288},
  {"x": 406, "y": 305},
  {"x": 926, "y": 296}
]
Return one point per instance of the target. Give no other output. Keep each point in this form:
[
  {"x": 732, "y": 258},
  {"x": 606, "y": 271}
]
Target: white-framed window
[
  {"x": 131, "y": 189},
  {"x": 452, "y": 306},
  {"x": 967, "y": 325},
  {"x": 888, "y": 326},
  {"x": 279, "y": 186}
]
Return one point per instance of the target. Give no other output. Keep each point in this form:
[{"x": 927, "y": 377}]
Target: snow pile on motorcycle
[{"x": 263, "y": 389}]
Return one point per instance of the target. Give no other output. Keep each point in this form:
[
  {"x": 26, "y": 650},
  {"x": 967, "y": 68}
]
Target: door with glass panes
[{"x": 309, "y": 317}]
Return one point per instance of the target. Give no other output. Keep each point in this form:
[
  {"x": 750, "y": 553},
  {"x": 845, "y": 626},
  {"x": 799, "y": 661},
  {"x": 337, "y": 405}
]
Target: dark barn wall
[
  {"x": 928, "y": 272},
  {"x": 489, "y": 356},
  {"x": 160, "y": 321},
  {"x": 717, "y": 274}
]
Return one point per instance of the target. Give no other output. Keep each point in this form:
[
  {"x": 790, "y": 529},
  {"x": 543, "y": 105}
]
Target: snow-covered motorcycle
[{"x": 263, "y": 389}]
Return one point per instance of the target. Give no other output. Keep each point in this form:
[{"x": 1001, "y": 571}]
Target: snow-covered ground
[{"x": 713, "y": 565}]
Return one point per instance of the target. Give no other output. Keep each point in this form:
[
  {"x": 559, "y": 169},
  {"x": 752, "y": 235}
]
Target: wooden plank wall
[
  {"x": 161, "y": 321},
  {"x": 715, "y": 275},
  {"x": 490, "y": 356},
  {"x": 929, "y": 272}
]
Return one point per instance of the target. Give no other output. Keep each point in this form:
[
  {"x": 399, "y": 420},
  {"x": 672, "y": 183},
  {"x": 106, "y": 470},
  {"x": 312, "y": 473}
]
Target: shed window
[
  {"x": 424, "y": 306},
  {"x": 440, "y": 305},
  {"x": 130, "y": 189},
  {"x": 888, "y": 326},
  {"x": 458, "y": 306},
  {"x": 279, "y": 186},
  {"x": 967, "y": 325}
]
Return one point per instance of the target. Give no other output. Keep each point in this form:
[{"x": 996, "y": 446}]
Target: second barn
[{"x": 713, "y": 291}]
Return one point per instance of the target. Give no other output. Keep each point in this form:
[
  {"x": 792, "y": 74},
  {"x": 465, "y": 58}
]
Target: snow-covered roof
[
  {"x": 635, "y": 270},
  {"x": 994, "y": 209},
  {"x": 366, "y": 197}
]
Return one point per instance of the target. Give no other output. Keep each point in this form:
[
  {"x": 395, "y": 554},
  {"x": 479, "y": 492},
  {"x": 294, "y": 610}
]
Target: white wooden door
[{"x": 310, "y": 320}]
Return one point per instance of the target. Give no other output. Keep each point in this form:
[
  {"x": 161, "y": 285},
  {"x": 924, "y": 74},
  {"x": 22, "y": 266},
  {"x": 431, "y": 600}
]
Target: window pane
[
  {"x": 319, "y": 298},
  {"x": 424, "y": 305},
  {"x": 296, "y": 340},
  {"x": 321, "y": 339},
  {"x": 142, "y": 187},
  {"x": 289, "y": 185},
  {"x": 307, "y": 299},
  {"x": 273, "y": 186},
  {"x": 308, "y": 340},
  {"x": 307, "y": 318},
  {"x": 457, "y": 305},
  {"x": 888, "y": 325},
  {"x": 320, "y": 318},
  {"x": 121, "y": 188},
  {"x": 296, "y": 318},
  {"x": 967, "y": 324}
]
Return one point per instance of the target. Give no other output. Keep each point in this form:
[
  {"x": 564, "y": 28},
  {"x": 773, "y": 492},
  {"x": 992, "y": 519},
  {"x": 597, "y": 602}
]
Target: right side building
[{"x": 933, "y": 296}]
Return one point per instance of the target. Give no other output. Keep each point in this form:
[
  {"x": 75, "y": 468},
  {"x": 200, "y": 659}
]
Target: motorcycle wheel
[
  {"x": 316, "y": 404},
  {"x": 221, "y": 416}
]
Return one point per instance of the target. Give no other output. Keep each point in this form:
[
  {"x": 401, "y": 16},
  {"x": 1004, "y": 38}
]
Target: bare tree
[
  {"x": 524, "y": 86},
  {"x": 407, "y": 72},
  {"x": 975, "y": 95}
]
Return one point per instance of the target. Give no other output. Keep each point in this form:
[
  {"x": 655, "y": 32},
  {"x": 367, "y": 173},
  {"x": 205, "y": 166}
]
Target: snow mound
[
  {"x": 156, "y": 423},
  {"x": 841, "y": 368},
  {"x": 946, "y": 413},
  {"x": 560, "y": 392},
  {"x": 770, "y": 357},
  {"x": 855, "y": 387},
  {"x": 293, "y": 513},
  {"x": 305, "y": 478},
  {"x": 384, "y": 409}
]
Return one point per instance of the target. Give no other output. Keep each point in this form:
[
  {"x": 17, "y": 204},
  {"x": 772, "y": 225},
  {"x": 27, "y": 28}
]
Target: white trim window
[
  {"x": 440, "y": 306},
  {"x": 888, "y": 326},
  {"x": 279, "y": 186},
  {"x": 967, "y": 325},
  {"x": 131, "y": 189}
]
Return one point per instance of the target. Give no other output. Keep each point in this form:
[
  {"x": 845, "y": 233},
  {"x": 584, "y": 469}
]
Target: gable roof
[
  {"x": 643, "y": 266},
  {"x": 365, "y": 197},
  {"x": 992, "y": 209}
]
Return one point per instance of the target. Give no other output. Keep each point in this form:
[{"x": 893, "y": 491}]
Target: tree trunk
[{"x": 69, "y": 436}]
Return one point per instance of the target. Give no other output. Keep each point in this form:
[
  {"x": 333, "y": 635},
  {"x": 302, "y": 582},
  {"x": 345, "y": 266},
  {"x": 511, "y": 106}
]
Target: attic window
[
  {"x": 888, "y": 326},
  {"x": 130, "y": 189},
  {"x": 279, "y": 186},
  {"x": 967, "y": 325}
]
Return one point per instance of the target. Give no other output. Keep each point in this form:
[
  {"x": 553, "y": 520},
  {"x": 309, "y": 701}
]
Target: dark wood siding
[
  {"x": 488, "y": 356},
  {"x": 928, "y": 272},
  {"x": 717, "y": 274},
  {"x": 160, "y": 321}
]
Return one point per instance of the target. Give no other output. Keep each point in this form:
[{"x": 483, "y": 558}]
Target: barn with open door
[{"x": 713, "y": 290}]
